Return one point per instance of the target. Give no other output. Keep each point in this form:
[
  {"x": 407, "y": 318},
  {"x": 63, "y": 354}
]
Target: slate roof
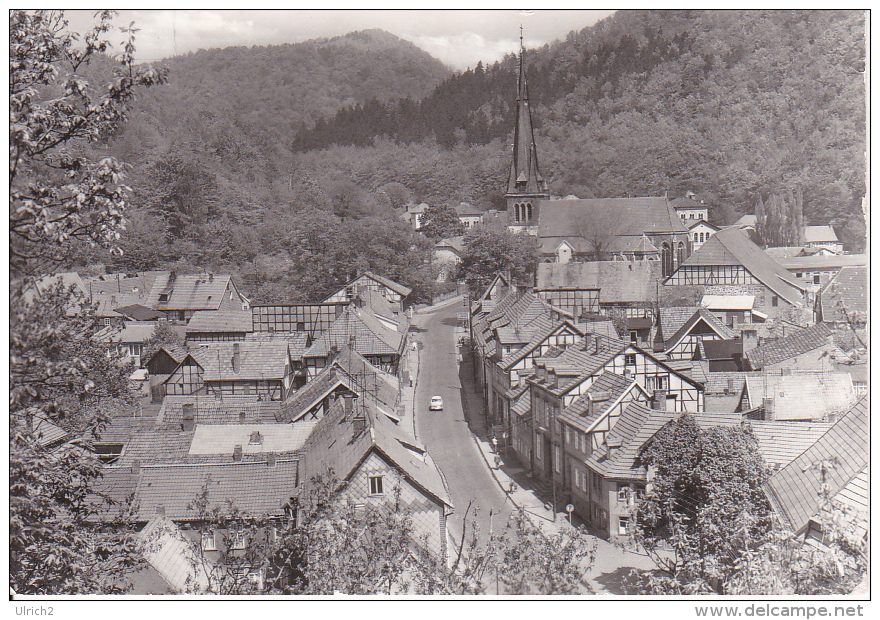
[
  {"x": 634, "y": 429},
  {"x": 632, "y": 216},
  {"x": 370, "y": 336},
  {"x": 782, "y": 442},
  {"x": 818, "y": 234},
  {"x": 334, "y": 445},
  {"x": 255, "y": 489},
  {"x": 731, "y": 246},
  {"x": 259, "y": 360},
  {"x": 211, "y": 410},
  {"x": 617, "y": 281},
  {"x": 195, "y": 291},
  {"x": 520, "y": 315},
  {"x": 672, "y": 318},
  {"x": 175, "y": 352},
  {"x": 802, "y": 395},
  {"x": 795, "y": 491},
  {"x": 577, "y": 414},
  {"x": 728, "y": 382},
  {"x": 543, "y": 329},
  {"x": 801, "y": 342},
  {"x": 849, "y": 289},
  {"x": 578, "y": 361},
  {"x": 210, "y": 321}
]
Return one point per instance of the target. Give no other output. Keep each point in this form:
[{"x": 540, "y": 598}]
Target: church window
[
  {"x": 695, "y": 237},
  {"x": 680, "y": 253},
  {"x": 666, "y": 251},
  {"x": 528, "y": 211}
]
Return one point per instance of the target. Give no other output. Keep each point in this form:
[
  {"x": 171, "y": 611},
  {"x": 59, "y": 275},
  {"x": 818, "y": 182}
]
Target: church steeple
[{"x": 525, "y": 185}]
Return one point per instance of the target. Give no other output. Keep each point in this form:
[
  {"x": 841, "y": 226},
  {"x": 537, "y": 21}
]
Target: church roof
[
  {"x": 524, "y": 168},
  {"x": 623, "y": 216}
]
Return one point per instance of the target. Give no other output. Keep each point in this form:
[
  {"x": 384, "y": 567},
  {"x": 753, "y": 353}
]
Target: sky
[{"x": 458, "y": 38}]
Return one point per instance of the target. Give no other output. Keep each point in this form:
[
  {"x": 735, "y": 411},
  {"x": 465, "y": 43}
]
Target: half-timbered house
[
  {"x": 701, "y": 326},
  {"x": 181, "y": 296},
  {"x": 391, "y": 290},
  {"x": 219, "y": 326}
]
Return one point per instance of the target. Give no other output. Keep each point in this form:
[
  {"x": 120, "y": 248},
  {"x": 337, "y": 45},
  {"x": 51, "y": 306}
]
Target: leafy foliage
[
  {"x": 440, "y": 221},
  {"x": 491, "y": 250}
]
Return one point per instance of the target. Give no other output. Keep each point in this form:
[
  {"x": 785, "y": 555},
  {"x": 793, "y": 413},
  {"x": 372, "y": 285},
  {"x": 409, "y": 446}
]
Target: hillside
[{"x": 730, "y": 104}]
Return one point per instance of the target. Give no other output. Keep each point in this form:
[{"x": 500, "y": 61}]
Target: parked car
[{"x": 436, "y": 404}]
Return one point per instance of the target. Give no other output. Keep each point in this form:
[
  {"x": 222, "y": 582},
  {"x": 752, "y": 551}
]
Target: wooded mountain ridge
[{"x": 730, "y": 104}]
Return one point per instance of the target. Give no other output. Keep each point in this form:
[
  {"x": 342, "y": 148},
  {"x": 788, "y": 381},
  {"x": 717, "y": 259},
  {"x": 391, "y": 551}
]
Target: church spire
[{"x": 525, "y": 185}]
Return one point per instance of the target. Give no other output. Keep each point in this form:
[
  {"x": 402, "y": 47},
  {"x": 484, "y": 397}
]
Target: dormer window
[{"x": 163, "y": 296}]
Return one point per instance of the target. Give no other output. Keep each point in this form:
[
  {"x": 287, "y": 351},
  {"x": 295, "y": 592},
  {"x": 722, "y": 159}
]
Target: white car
[{"x": 436, "y": 404}]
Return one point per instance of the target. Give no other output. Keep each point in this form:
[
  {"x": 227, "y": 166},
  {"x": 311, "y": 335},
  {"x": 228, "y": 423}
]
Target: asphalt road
[{"x": 446, "y": 434}]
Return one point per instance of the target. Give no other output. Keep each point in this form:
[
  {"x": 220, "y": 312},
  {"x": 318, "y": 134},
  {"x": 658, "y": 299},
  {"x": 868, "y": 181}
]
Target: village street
[{"x": 446, "y": 433}]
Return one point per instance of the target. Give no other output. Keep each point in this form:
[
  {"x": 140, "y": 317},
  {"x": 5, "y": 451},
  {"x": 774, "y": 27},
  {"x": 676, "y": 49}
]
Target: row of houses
[{"x": 559, "y": 377}]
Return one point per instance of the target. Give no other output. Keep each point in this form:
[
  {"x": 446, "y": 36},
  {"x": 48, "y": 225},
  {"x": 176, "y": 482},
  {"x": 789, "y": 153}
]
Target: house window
[
  {"x": 630, "y": 359},
  {"x": 300, "y": 326},
  {"x": 135, "y": 349},
  {"x": 239, "y": 540},
  {"x": 208, "y": 541},
  {"x": 376, "y": 485},
  {"x": 622, "y": 494},
  {"x": 695, "y": 237},
  {"x": 633, "y": 336},
  {"x": 622, "y": 526},
  {"x": 107, "y": 320},
  {"x": 775, "y": 301},
  {"x": 181, "y": 315},
  {"x": 557, "y": 459},
  {"x": 539, "y": 447},
  {"x": 816, "y": 279}
]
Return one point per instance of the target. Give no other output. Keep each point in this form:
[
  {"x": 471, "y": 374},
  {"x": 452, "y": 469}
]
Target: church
[{"x": 578, "y": 230}]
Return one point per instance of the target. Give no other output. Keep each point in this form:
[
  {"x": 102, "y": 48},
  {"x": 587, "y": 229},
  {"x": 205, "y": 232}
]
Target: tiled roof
[
  {"x": 370, "y": 336},
  {"x": 259, "y": 360},
  {"x": 123, "y": 426},
  {"x": 782, "y": 442},
  {"x": 632, "y": 216},
  {"x": 602, "y": 327},
  {"x": 139, "y": 312},
  {"x": 634, "y": 429},
  {"x": 195, "y": 291},
  {"x": 577, "y": 414},
  {"x": 115, "y": 283},
  {"x": 131, "y": 331},
  {"x": 175, "y": 352},
  {"x": 706, "y": 317},
  {"x": 727, "y": 382},
  {"x": 394, "y": 286},
  {"x": 453, "y": 243},
  {"x": 617, "y": 281},
  {"x": 731, "y": 246},
  {"x": 255, "y": 489},
  {"x": 795, "y": 492},
  {"x": 107, "y": 303},
  {"x": 348, "y": 369},
  {"x": 818, "y": 234},
  {"x": 46, "y": 431},
  {"x": 334, "y": 444},
  {"x": 672, "y": 318},
  {"x": 212, "y": 410},
  {"x": 111, "y": 493},
  {"x": 378, "y": 304},
  {"x": 171, "y": 554},
  {"x": 782, "y": 349},
  {"x": 222, "y": 439},
  {"x": 298, "y": 342},
  {"x": 847, "y": 290},
  {"x": 579, "y": 361},
  {"x": 209, "y": 321},
  {"x": 802, "y": 395},
  {"x": 154, "y": 446},
  {"x": 698, "y": 370}
]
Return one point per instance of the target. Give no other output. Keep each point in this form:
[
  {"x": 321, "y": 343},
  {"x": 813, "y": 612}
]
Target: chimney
[
  {"x": 241, "y": 417},
  {"x": 334, "y": 351},
  {"x": 659, "y": 401},
  {"x": 542, "y": 372},
  {"x": 236, "y": 453},
  {"x": 160, "y": 510},
  {"x": 611, "y": 447},
  {"x": 270, "y": 460},
  {"x": 135, "y": 467},
  {"x": 210, "y": 277},
  {"x": 189, "y": 417},
  {"x": 351, "y": 341},
  {"x": 591, "y": 410},
  {"x": 627, "y": 374},
  {"x": 731, "y": 385},
  {"x": 256, "y": 439},
  {"x": 552, "y": 378},
  {"x": 112, "y": 301},
  {"x": 786, "y": 371},
  {"x": 588, "y": 341},
  {"x": 769, "y": 411},
  {"x": 359, "y": 424},
  {"x": 236, "y": 358},
  {"x": 332, "y": 372},
  {"x": 348, "y": 405}
]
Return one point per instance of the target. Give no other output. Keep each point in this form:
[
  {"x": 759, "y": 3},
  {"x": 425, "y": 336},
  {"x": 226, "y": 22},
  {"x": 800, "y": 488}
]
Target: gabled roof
[
  {"x": 731, "y": 246},
  {"x": 176, "y": 352},
  {"x": 687, "y": 202},
  {"x": 336, "y": 444},
  {"x": 107, "y": 304},
  {"x": 360, "y": 328},
  {"x": 254, "y": 489},
  {"x": 703, "y": 223},
  {"x": 259, "y": 360},
  {"x": 795, "y": 492},
  {"x": 819, "y": 234},
  {"x": 212, "y": 410},
  {"x": 821, "y": 261},
  {"x": 634, "y": 429},
  {"x": 466, "y": 209},
  {"x": 194, "y": 291},
  {"x": 115, "y": 283},
  {"x": 456, "y": 244},
  {"x": 632, "y": 216},
  {"x": 577, "y": 414},
  {"x": 498, "y": 279},
  {"x": 47, "y": 432},
  {"x": 577, "y": 362},
  {"x": 671, "y": 320},
  {"x": 707, "y": 318},
  {"x": 782, "y": 442},
  {"x": 802, "y": 395},
  {"x": 394, "y": 286},
  {"x": 538, "y": 336},
  {"x": 222, "y": 439},
  {"x": 848, "y": 290},
  {"x": 779, "y": 350},
  {"x": 171, "y": 554},
  {"x": 210, "y": 321}
]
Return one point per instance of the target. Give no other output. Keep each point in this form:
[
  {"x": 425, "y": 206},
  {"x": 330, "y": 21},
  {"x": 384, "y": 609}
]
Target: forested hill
[{"x": 726, "y": 102}]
